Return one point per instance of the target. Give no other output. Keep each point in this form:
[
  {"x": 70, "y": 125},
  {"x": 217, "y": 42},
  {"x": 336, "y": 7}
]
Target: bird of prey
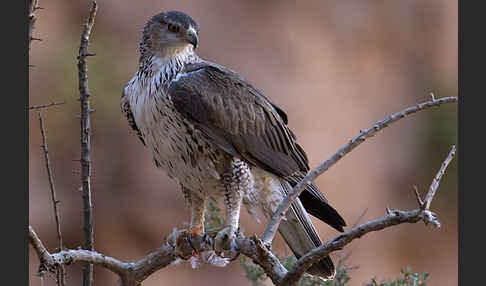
[{"x": 220, "y": 137}]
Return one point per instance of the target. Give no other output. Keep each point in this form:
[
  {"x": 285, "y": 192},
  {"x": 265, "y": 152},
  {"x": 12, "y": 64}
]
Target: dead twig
[
  {"x": 360, "y": 217},
  {"x": 86, "y": 141},
  {"x": 417, "y": 196},
  {"x": 49, "y": 262},
  {"x": 33, "y": 6},
  {"x": 61, "y": 272},
  {"x": 435, "y": 182},
  {"x": 353, "y": 143},
  {"x": 46, "y": 105},
  {"x": 46, "y": 261}
]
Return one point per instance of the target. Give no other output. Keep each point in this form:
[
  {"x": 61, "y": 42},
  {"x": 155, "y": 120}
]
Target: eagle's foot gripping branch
[{"x": 195, "y": 248}]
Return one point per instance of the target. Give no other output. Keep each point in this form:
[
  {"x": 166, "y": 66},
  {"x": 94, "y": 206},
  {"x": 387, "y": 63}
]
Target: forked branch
[
  {"x": 348, "y": 147},
  {"x": 61, "y": 273},
  {"x": 393, "y": 217},
  {"x": 46, "y": 105}
]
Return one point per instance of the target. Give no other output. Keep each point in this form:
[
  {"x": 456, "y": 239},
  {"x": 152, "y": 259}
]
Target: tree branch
[
  {"x": 86, "y": 140},
  {"x": 133, "y": 273},
  {"x": 55, "y": 202},
  {"x": 394, "y": 217},
  {"x": 435, "y": 182},
  {"x": 66, "y": 257},
  {"x": 44, "y": 255},
  {"x": 46, "y": 105},
  {"x": 61, "y": 273},
  {"x": 353, "y": 143},
  {"x": 33, "y": 6}
]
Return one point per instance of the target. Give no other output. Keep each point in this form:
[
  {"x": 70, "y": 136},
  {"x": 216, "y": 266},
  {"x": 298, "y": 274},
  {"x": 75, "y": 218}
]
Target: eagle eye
[{"x": 173, "y": 28}]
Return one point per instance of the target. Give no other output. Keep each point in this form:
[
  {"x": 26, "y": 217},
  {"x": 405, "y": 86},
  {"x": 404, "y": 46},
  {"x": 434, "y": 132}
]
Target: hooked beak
[{"x": 191, "y": 37}]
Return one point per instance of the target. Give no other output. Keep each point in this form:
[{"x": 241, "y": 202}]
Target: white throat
[
  {"x": 157, "y": 72},
  {"x": 183, "y": 56},
  {"x": 164, "y": 69}
]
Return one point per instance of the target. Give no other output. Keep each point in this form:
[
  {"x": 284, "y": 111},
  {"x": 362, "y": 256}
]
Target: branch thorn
[{"x": 419, "y": 200}]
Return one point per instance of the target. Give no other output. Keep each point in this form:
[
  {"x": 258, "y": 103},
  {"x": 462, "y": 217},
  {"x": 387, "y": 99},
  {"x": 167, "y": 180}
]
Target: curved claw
[
  {"x": 186, "y": 248},
  {"x": 189, "y": 240},
  {"x": 225, "y": 240}
]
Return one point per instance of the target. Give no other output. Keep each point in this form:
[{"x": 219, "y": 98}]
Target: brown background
[{"x": 335, "y": 67}]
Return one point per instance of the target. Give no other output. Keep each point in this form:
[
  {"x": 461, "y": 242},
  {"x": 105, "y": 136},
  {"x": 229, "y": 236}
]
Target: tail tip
[{"x": 324, "y": 269}]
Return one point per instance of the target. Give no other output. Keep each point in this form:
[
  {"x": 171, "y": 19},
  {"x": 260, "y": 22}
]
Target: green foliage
[
  {"x": 257, "y": 276},
  {"x": 254, "y": 273},
  {"x": 408, "y": 278},
  {"x": 213, "y": 219}
]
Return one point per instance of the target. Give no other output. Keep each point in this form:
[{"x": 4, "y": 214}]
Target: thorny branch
[
  {"x": 133, "y": 273},
  {"x": 61, "y": 273},
  {"x": 348, "y": 147},
  {"x": 45, "y": 105},
  {"x": 86, "y": 141},
  {"x": 435, "y": 183},
  {"x": 33, "y": 6}
]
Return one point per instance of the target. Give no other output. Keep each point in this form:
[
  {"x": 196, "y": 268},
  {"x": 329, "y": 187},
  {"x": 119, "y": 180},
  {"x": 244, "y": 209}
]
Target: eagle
[{"x": 220, "y": 138}]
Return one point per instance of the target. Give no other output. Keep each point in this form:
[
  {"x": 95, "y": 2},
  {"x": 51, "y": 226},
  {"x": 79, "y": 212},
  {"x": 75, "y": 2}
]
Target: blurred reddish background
[{"x": 335, "y": 67}]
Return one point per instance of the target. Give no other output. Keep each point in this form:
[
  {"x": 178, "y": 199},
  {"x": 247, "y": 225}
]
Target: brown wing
[
  {"x": 237, "y": 118},
  {"x": 241, "y": 121}
]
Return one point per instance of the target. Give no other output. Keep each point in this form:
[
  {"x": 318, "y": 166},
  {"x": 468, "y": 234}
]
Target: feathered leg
[
  {"x": 197, "y": 203},
  {"x": 238, "y": 182}
]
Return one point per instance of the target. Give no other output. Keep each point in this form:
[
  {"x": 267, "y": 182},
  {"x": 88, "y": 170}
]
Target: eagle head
[{"x": 168, "y": 34}]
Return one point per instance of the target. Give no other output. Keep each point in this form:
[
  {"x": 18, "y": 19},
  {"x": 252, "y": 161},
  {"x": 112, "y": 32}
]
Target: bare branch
[
  {"x": 46, "y": 105},
  {"x": 133, "y": 273},
  {"x": 55, "y": 202},
  {"x": 251, "y": 247},
  {"x": 33, "y": 6},
  {"x": 44, "y": 256},
  {"x": 360, "y": 217},
  {"x": 353, "y": 143},
  {"x": 393, "y": 217},
  {"x": 61, "y": 273},
  {"x": 417, "y": 196},
  {"x": 436, "y": 180},
  {"x": 86, "y": 140},
  {"x": 50, "y": 262}
]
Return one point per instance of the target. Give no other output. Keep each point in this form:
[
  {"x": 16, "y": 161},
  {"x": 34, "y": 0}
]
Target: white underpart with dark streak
[{"x": 163, "y": 129}]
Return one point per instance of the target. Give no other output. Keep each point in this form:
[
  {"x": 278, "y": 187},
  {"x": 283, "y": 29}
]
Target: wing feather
[{"x": 237, "y": 117}]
